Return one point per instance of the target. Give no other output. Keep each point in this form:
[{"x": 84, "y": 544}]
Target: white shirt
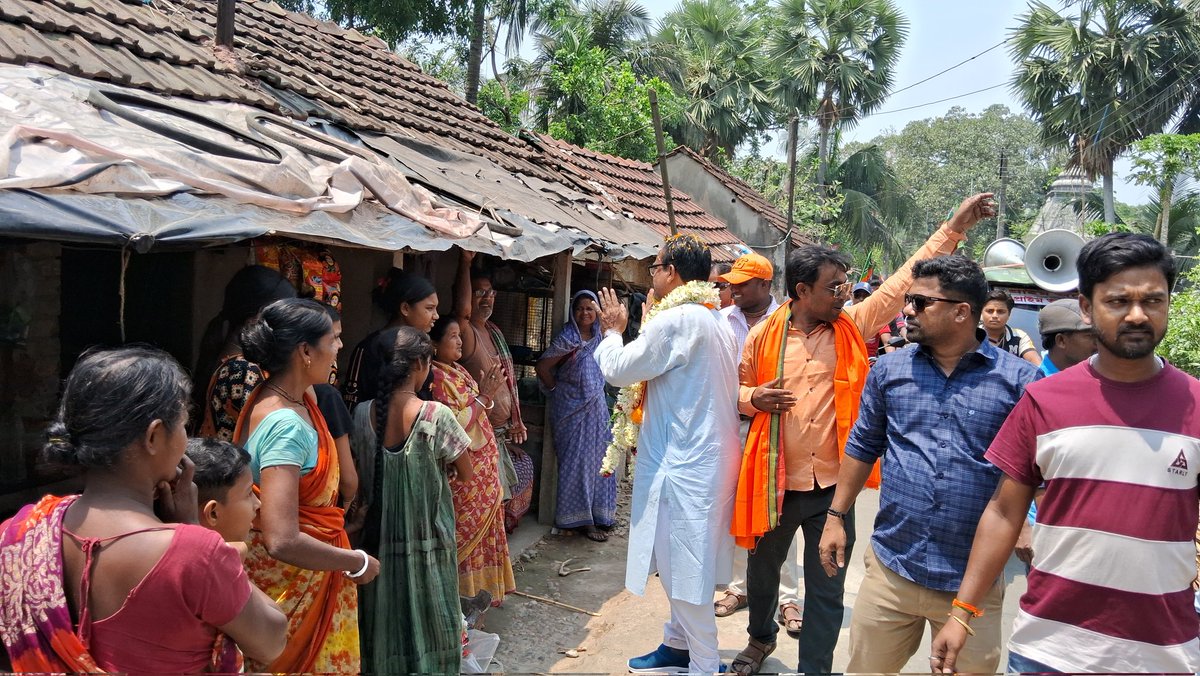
[
  {"x": 688, "y": 453},
  {"x": 741, "y": 327}
]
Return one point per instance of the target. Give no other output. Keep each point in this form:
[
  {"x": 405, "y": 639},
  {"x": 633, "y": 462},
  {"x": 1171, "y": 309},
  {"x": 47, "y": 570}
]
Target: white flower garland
[{"x": 625, "y": 431}]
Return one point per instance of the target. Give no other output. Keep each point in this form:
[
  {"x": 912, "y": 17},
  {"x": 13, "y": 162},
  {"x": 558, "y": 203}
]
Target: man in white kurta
[{"x": 688, "y": 457}]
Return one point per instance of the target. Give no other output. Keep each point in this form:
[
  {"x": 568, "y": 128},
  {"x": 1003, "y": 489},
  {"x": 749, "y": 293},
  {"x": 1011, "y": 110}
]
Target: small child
[{"x": 225, "y": 487}]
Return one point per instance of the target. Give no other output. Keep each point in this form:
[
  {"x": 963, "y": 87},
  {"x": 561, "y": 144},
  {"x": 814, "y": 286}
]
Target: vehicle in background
[{"x": 1034, "y": 276}]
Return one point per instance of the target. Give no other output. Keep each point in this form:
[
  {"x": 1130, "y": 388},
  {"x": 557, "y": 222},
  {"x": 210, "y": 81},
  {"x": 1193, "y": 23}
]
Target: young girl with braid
[{"x": 410, "y": 618}]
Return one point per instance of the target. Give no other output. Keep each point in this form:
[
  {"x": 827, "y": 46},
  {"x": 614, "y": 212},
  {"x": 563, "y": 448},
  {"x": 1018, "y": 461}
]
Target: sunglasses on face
[
  {"x": 721, "y": 286},
  {"x": 919, "y": 302},
  {"x": 840, "y": 290}
]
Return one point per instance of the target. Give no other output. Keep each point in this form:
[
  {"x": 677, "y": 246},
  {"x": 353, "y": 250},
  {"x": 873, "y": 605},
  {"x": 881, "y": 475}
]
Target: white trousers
[
  {"x": 789, "y": 575},
  {"x": 692, "y": 627}
]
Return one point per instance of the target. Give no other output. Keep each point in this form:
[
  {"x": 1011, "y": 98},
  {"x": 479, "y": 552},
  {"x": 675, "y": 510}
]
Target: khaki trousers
[{"x": 890, "y": 615}]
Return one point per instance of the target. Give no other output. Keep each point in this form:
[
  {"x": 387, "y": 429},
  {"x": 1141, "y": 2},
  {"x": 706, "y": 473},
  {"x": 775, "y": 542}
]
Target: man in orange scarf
[{"x": 802, "y": 373}]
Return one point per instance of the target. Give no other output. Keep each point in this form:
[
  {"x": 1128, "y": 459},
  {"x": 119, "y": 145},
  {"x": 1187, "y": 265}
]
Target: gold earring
[{"x": 307, "y": 363}]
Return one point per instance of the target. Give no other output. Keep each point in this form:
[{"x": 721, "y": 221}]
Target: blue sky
[{"x": 942, "y": 33}]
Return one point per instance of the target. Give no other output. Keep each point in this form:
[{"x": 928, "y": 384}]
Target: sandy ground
[{"x": 535, "y": 635}]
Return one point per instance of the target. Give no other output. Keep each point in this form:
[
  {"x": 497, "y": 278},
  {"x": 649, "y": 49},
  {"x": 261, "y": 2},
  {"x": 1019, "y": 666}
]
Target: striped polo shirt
[{"x": 1114, "y": 557}]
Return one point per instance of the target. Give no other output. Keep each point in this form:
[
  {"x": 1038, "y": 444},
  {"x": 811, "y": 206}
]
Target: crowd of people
[
  {"x": 300, "y": 529},
  {"x": 303, "y": 528},
  {"x": 960, "y": 430}
]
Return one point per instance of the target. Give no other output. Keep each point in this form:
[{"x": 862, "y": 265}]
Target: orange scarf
[
  {"x": 763, "y": 474},
  {"x": 321, "y": 518}
]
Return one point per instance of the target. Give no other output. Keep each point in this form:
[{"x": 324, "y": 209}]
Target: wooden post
[
  {"x": 226, "y": 11},
  {"x": 548, "y": 494},
  {"x": 662, "y": 159},
  {"x": 793, "y": 130}
]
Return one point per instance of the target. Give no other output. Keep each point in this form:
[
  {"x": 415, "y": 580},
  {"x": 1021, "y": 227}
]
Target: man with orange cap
[{"x": 750, "y": 283}]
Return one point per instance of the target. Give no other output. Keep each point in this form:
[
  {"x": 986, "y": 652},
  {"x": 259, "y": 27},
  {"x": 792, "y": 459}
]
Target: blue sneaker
[{"x": 664, "y": 660}]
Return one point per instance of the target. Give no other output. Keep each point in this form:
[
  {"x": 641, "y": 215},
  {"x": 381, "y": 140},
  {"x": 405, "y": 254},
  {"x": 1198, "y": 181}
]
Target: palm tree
[
  {"x": 877, "y": 211},
  {"x": 835, "y": 59},
  {"x": 711, "y": 55},
  {"x": 616, "y": 27},
  {"x": 1106, "y": 74}
]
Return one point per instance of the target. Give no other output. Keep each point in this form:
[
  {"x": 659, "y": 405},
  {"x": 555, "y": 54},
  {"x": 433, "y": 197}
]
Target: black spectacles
[
  {"x": 721, "y": 286},
  {"x": 656, "y": 266},
  {"x": 919, "y": 302}
]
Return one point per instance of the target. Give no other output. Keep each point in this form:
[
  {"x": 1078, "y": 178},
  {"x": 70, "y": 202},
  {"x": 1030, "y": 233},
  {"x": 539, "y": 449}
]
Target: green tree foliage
[
  {"x": 711, "y": 54},
  {"x": 1162, "y": 160},
  {"x": 503, "y": 106},
  {"x": 391, "y": 20},
  {"x": 611, "y": 111},
  {"x": 1181, "y": 346},
  {"x": 444, "y": 62},
  {"x": 940, "y": 160},
  {"x": 834, "y": 60},
  {"x": 1101, "y": 74},
  {"x": 866, "y": 211}
]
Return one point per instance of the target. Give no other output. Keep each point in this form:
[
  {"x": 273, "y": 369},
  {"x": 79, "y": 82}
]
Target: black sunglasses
[{"x": 919, "y": 302}]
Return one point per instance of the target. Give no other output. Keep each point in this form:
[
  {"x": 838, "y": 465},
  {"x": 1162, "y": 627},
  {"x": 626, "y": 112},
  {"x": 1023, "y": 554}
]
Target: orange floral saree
[{"x": 321, "y": 605}]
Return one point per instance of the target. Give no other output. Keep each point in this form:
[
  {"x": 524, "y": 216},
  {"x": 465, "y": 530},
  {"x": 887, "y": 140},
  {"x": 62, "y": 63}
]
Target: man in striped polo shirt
[{"x": 1116, "y": 439}]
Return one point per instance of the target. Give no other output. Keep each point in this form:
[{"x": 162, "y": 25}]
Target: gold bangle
[{"x": 956, "y": 618}]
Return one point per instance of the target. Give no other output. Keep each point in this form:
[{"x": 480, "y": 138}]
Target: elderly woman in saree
[
  {"x": 483, "y": 560},
  {"x": 579, "y": 419}
]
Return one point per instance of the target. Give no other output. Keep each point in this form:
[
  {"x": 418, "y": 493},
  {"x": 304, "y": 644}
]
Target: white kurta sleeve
[{"x": 646, "y": 358}]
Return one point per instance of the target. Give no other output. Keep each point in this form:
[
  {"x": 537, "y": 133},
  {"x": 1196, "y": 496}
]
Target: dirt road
[{"x": 533, "y": 635}]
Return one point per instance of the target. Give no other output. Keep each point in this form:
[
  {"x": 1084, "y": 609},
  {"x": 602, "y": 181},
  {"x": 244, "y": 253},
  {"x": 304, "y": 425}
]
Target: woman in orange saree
[
  {"x": 299, "y": 552},
  {"x": 483, "y": 560}
]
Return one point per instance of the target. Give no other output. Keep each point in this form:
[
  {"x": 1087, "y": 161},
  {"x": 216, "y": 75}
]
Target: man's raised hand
[
  {"x": 613, "y": 314},
  {"x": 972, "y": 210}
]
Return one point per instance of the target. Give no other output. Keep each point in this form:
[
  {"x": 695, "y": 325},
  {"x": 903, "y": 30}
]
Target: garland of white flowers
[{"x": 625, "y": 431}]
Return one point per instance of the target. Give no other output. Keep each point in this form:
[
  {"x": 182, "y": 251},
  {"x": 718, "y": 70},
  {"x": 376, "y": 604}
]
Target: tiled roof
[
  {"x": 635, "y": 188},
  {"x": 282, "y": 61},
  {"x": 744, "y": 192}
]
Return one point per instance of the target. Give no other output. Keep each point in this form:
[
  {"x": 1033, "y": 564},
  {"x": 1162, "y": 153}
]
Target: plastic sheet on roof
[
  {"x": 65, "y": 132},
  {"x": 185, "y": 221},
  {"x": 60, "y": 145}
]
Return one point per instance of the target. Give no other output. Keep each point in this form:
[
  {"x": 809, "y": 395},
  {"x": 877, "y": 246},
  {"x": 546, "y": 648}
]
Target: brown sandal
[
  {"x": 791, "y": 616},
  {"x": 750, "y": 661},
  {"x": 730, "y": 604}
]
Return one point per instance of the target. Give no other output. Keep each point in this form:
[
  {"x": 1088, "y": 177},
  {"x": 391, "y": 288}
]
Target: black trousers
[{"x": 823, "y": 608}]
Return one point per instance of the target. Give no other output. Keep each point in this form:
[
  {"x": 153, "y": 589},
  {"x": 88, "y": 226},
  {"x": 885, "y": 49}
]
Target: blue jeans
[{"x": 1019, "y": 664}]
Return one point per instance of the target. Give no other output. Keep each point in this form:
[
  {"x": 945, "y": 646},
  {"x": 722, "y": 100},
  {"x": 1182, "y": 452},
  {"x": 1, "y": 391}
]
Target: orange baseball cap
[{"x": 748, "y": 267}]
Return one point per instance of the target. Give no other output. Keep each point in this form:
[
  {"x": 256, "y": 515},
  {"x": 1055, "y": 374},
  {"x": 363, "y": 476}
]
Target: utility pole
[
  {"x": 1001, "y": 202},
  {"x": 793, "y": 130},
  {"x": 662, "y": 160}
]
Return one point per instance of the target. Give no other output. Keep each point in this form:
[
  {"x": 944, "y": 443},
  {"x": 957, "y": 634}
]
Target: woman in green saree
[{"x": 410, "y": 618}]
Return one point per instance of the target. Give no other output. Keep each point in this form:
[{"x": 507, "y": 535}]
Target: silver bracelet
[{"x": 361, "y": 571}]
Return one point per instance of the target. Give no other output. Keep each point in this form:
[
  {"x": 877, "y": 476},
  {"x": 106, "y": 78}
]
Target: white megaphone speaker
[
  {"x": 1004, "y": 253},
  {"x": 1050, "y": 259}
]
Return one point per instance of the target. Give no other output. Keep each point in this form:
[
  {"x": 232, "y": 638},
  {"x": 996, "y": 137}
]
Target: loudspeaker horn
[
  {"x": 1050, "y": 259},
  {"x": 1004, "y": 253}
]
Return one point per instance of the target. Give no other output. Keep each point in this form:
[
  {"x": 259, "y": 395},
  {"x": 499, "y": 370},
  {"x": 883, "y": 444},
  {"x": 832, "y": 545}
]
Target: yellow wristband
[{"x": 956, "y": 618}]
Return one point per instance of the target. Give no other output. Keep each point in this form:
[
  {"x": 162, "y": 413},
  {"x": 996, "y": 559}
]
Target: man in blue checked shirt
[{"x": 929, "y": 414}]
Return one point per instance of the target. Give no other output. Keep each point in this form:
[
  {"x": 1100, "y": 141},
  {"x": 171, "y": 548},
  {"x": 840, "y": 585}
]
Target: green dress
[{"x": 410, "y": 617}]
